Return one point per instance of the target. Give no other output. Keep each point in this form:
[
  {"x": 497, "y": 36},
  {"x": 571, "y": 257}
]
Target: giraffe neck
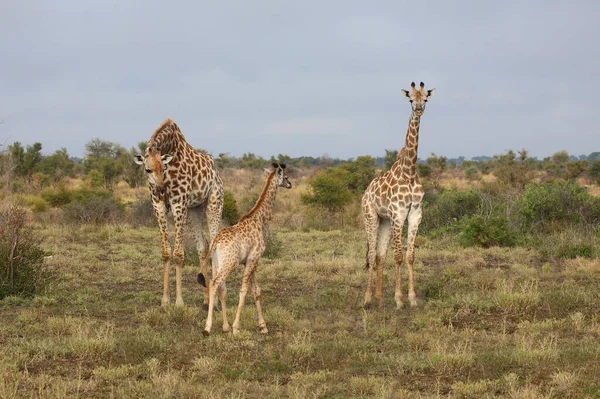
[
  {"x": 263, "y": 209},
  {"x": 406, "y": 164},
  {"x": 167, "y": 138}
]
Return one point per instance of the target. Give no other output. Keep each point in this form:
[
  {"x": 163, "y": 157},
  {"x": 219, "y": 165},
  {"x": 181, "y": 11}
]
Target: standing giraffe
[
  {"x": 243, "y": 243},
  {"x": 387, "y": 202},
  {"x": 182, "y": 180}
]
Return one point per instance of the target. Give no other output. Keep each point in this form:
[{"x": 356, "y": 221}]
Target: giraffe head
[
  {"x": 418, "y": 98},
  {"x": 280, "y": 175},
  {"x": 155, "y": 165}
]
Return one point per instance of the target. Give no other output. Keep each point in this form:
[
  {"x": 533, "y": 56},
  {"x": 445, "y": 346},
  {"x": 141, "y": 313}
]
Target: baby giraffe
[{"x": 244, "y": 244}]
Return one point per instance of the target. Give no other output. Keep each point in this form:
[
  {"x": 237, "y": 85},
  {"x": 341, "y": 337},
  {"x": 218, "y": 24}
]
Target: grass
[{"x": 490, "y": 323}]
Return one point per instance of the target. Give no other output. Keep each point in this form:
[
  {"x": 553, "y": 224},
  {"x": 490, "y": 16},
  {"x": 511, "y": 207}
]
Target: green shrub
[
  {"x": 230, "y": 210},
  {"x": 21, "y": 257},
  {"x": 328, "y": 190},
  {"x": 93, "y": 206},
  {"x": 36, "y": 204},
  {"x": 485, "y": 232},
  {"x": 557, "y": 203},
  {"x": 57, "y": 197},
  {"x": 567, "y": 243},
  {"x": 448, "y": 208}
]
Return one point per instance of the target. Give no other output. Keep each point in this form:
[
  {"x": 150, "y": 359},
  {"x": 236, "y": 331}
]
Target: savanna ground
[{"x": 497, "y": 322}]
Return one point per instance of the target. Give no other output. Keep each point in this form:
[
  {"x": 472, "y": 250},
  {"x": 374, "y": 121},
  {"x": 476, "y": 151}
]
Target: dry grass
[{"x": 489, "y": 323}]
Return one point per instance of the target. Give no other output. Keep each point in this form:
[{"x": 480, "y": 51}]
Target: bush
[
  {"x": 560, "y": 202},
  {"x": 142, "y": 213},
  {"x": 448, "y": 208},
  {"x": 230, "y": 210},
  {"x": 58, "y": 197},
  {"x": 328, "y": 190},
  {"x": 21, "y": 257},
  {"x": 36, "y": 204},
  {"x": 93, "y": 206},
  {"x": 485, "y": 232}
]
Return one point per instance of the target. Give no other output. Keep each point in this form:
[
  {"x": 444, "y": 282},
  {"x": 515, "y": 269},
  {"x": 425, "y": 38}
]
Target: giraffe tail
[
  {"x": 201, "y": 278},
  {"x": 367, "y": 262}
]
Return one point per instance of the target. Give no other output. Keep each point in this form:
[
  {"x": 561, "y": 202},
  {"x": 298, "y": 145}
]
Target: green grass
[{"x": 490, "y": 323}]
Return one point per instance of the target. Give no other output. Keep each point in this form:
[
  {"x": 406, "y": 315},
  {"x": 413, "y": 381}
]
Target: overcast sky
[{"x": 303, "y": 77}]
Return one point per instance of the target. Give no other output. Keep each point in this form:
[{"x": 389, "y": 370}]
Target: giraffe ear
[
  {"x": 166, "y": 158},
  {"x": 430, "y": 93},
  {"x": 282, "y": 165},
  {"x": 267, "y": 171},
  {"x": 406, "y": 93},
  {"x": 138, "y": 159}
]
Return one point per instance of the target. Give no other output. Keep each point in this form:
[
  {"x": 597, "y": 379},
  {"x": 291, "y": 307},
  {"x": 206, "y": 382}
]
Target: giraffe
[
  {"x": 184, "y": 181},
  {"x": 389, "y": 200},
  {"x": 244, "y": 243}
]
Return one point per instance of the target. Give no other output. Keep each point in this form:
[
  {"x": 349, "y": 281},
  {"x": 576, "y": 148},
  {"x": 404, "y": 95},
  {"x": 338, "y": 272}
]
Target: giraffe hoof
[
  {"x": 367, "y": 306},
  {"x": 201, "y": 279},
  {"x": 264, "y": 331},
  {"x": 206, "y": 333},
  {"x": 205, "y": 306}
]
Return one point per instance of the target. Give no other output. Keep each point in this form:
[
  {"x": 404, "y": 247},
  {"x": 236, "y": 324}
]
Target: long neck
[
  {"x": 406, "y": 164},
  {"x": 263, "y": 209},
  {"x": 167, "y": 138}
]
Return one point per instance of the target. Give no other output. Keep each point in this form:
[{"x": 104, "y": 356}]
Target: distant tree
[
  {"x": 328, "y": 190},
  {"x": 251, "y": 161},
  {"x": 360, "y": 173},
  {"x": 106, "y": 158},
  {"x": 25, "y": 160},
  {"x": 437, "y": 165},
  {"x": 223, "y": 160},
  {"x": 57, "y": 165},
  {"x": 133, "y": 174},
  {"x": 594, "y": 171},
  {"x": 390, "y": 157}
]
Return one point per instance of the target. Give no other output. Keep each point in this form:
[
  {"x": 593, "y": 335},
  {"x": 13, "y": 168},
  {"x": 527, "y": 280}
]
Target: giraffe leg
[
  {"x": 180, "y": 216},
  {"x": 397, "y": 225},
  {"x": 371, "y": 222},
  {"x": 250, "y": 266},
  {"x": 414, "y": 219},
  {"x": 211, "y": 305},
  {"x": 262, "y": 326},
  {"x": 214, "y": 209},
  {"x": 223, "y": 293},
  {"x": 383, "y": 239},
  {"x": 197, "y": 216},
  {"x": 161, "y": 215}
]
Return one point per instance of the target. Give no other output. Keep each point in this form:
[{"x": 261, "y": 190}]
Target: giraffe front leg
[
  {"x": 161, "y": 216},
  {"x": 397, "y": 225},
  {"x": 243, "y": 291},
  {"x": 179, "y": 214},
  {"x": 414, "y": 220},
  {"x": 214, "y": 210}
]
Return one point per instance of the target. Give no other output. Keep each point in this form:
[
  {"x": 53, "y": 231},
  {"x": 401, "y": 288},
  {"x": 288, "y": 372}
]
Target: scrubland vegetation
[{"x": 507, "y": 275}]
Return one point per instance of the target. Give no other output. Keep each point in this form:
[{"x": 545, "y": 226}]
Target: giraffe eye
[
  {"x": 411, "y": 101},
  {"x": 425, "y": 100},
  {"x": 148, "y": 170}
]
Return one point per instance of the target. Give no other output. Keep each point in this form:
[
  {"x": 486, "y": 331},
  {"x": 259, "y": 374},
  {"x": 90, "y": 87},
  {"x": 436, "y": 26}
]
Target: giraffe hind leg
[{"x": 371, "y": 222}]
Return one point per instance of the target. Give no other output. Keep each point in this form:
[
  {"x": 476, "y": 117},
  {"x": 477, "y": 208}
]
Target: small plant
[
  {"x": 230, "y": 210},
  {"x": 93, "y": 206},
  {"x": 58, "y": 197},
  {"x": 21, "y": 257},
  {"x": 486, "y": 232}
]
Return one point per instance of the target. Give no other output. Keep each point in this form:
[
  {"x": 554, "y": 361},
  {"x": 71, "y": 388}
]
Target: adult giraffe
[
  {"x": 184, "y": 181},
  {"x": 389, "y": 200}
]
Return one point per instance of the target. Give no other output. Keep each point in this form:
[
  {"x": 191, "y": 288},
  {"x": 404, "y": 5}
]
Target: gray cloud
[{"x": 303, "y": 78}]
